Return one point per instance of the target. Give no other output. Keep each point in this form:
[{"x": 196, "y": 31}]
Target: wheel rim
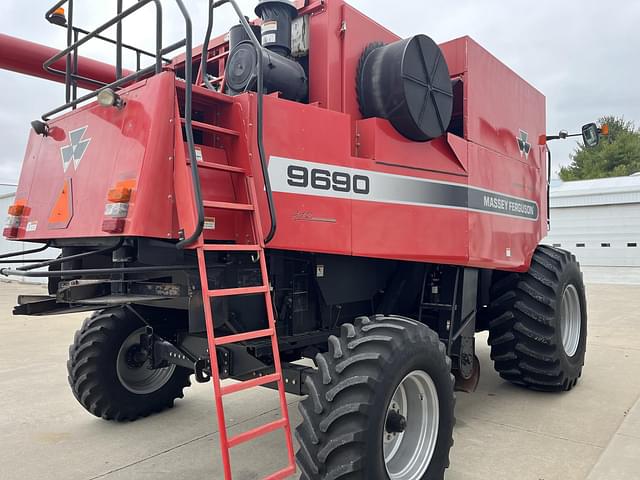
[
  {"x": 571, "y": 319},
  {"x": 140, "y": 378},
  {"x": 408, "y": 453}
]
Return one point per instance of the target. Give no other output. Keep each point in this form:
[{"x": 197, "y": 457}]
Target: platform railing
[
  {"x": 77, "y": 37},
  {"x": 74, "y": 42},
  {"x": 73, "y": 38}
]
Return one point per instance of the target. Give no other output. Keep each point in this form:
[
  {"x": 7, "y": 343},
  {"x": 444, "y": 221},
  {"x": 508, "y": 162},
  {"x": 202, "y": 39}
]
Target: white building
[{"x": 597, "y": 220}]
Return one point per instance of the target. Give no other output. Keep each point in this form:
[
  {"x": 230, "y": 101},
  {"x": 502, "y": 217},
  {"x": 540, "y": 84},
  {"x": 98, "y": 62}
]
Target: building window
[
  {"x": 557, "y": 245},
  {"x": 632, "y": 245},
  {"x": 605, "y": 245},
  {"x": 580, "y": 245}
]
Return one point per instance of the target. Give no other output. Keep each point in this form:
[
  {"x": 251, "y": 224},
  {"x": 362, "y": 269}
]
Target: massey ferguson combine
[{"x": 308, "y": 186}]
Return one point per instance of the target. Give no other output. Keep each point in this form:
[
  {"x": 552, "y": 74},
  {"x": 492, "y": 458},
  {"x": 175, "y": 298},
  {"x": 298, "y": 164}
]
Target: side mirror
[{"x": 591, "y": 135}]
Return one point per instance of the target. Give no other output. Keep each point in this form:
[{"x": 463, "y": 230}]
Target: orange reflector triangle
[{"x": 63, "y": 209}]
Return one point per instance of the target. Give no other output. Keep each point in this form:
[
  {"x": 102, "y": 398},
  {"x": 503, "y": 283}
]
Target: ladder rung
[
  {"x": 257, "y": 432},
  {"x": 212, "y": 128},
  {"x": 234, "y": 292},
  {"x": 282, "y": 474},
  {"x": 229, "y": 206},
  {"x": 243, "y": 337},
  {"x": 247, "y": 384},
  {"x": 232, "y": 248},
  {"x": 221, "y": 167}
]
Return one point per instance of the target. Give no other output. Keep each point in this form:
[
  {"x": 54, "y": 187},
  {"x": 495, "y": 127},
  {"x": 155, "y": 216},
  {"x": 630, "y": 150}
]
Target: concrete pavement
[
  {"x": 503, "y": 432},
  {"x": 611, "y": 275}
]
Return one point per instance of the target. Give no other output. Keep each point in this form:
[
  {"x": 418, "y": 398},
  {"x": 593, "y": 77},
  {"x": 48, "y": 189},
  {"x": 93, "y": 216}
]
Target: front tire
[
  {"x": 538, "y": 326},
  {"x": 380, "y": 406},
  {"x": 104, "y": 376}
]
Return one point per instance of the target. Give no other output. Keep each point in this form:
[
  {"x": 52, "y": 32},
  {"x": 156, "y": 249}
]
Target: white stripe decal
[{"x": 331, "y": 181}]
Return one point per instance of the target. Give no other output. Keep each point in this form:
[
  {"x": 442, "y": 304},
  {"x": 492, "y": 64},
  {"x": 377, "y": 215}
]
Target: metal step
[
  {"x": 229, "y": 206},
  {"x": 221, "y": 167},
  {"x": 235, "y": 292},
  {"x": 244, "y": 337},
  {"x": 200, "y": 93},
  {"x": 247, "y": 384},
  {"x": 257, "y": 432},
  {"x": 207, "y": 127}
]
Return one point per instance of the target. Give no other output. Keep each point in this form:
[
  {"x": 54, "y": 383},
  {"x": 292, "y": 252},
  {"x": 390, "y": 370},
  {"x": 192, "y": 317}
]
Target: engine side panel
[{"x": 454, "y": 202}]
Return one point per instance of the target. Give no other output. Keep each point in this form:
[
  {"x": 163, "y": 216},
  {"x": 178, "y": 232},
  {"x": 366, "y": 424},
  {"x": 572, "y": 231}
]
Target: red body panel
[
  {"x": 143, "y": 142},
  {"x": 133, "y": 144}
]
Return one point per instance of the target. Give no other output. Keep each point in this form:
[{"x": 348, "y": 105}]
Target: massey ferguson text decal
[
  {"x": 493, "y": 202},
  {"x": 308, "y": 178}
]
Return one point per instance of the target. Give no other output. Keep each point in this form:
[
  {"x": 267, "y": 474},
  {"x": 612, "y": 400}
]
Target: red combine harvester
[{"x": 307, "y": 186}]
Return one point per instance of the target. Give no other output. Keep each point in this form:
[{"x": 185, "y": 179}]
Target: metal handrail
[
  {"x": 74, "y": 42},
  {"x": 73, "y": 46},
  {"x": 70, "y": 38},
  {"x": 71, "y": 53},
  {"x": 204, "y": 57},
  {"x": 260, "y": 124},
  {"x": 188, "y": 125},
  {"x": 123, "y": 81},
  {"x": 138, "y": 51}
]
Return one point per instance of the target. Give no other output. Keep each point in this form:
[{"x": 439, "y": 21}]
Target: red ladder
[{"x": 257, "y": 247}]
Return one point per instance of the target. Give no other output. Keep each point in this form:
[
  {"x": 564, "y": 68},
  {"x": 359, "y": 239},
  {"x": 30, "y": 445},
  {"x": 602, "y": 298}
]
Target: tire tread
[
  {"x": 522, "y": 325},
  {"x": 86, "y": 362},
  {"x": 336, "y": 411}
]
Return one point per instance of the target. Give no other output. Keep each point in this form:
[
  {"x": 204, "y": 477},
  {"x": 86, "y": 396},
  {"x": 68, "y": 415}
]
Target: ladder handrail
[
  {"x": 204, "y": 61},
  {"x": 188, "y": 126},
  {"x": 259, "y": 125}
]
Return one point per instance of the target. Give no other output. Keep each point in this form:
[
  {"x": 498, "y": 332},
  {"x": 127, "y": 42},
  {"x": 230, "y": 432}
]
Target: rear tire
[
  {"x": 538, "y": 326},
  {"x": 102, "y": 380},
  {"x": 379, "y": 368}
]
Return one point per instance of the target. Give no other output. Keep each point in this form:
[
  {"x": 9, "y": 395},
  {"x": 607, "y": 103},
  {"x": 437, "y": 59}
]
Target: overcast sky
[{"x": 582, "y": 54}]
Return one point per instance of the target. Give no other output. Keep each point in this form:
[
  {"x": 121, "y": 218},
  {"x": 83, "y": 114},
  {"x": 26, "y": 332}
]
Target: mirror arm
[{"x": 558, "y": 137}]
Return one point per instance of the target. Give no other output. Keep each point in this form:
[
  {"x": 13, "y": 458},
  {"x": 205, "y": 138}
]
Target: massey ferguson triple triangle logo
[
  {"x": 523, "y": 144},
  {"x": 76, "y": 150}
]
